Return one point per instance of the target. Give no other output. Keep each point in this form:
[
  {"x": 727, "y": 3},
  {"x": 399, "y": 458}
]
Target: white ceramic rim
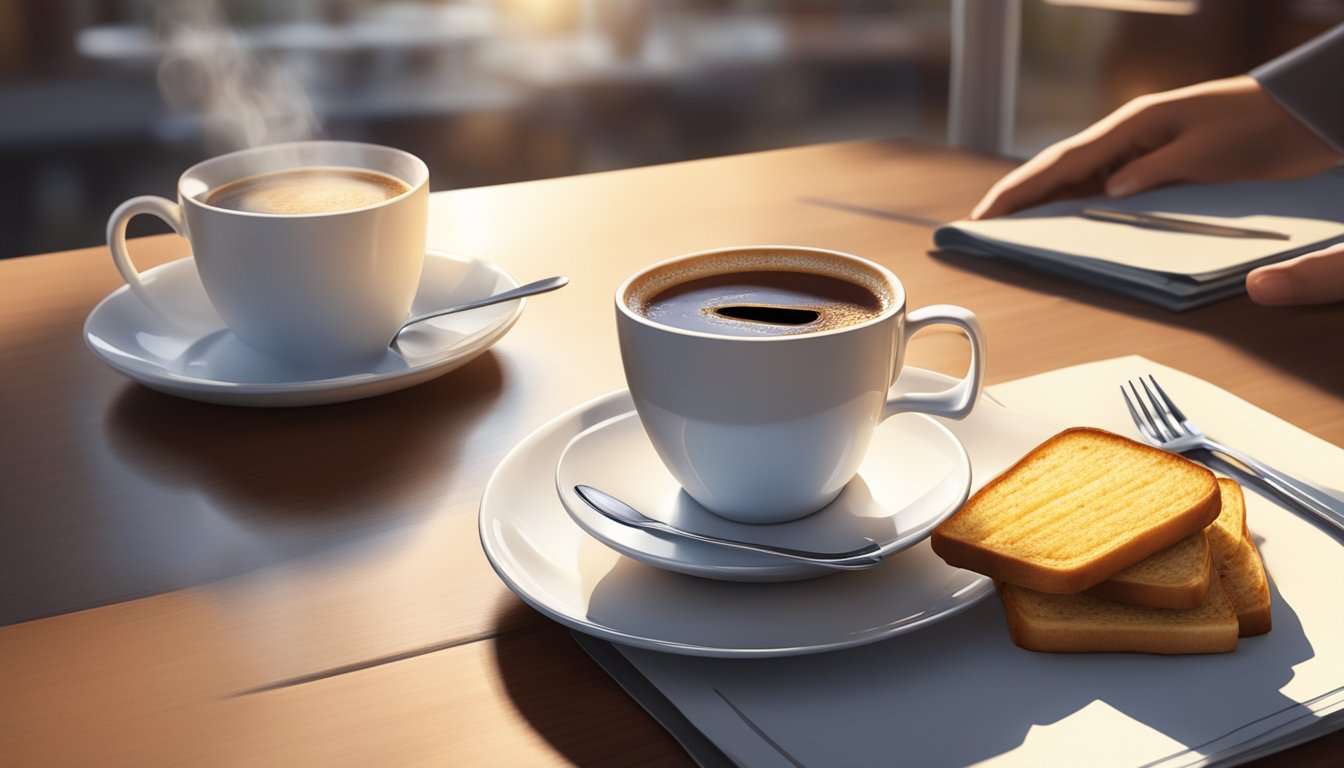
[
  {"x": 897, "y": 300},
  {"x": 421, "y": 180}
]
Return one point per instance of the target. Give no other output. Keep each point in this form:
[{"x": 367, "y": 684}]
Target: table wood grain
[{"x": 195, "y": 584}]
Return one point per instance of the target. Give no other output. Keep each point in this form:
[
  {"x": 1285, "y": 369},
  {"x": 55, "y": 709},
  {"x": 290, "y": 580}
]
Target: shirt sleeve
[{"x": 1308, "y": 81}]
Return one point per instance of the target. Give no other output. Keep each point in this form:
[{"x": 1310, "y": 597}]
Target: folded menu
[
  {"x": 1176, "y": 270},
  {"x": 959, "y": 692}
]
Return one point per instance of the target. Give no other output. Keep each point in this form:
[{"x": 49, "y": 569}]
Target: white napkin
[{"x": 960, "y": 693}]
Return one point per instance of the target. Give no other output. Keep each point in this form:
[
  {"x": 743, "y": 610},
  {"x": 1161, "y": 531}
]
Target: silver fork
[{"x": 1166, "y": 427}]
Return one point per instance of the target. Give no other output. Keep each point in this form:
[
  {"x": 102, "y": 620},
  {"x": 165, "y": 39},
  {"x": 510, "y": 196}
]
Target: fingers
[
  {"x": 1033, "y": 181},
  {"x": 1014, "y": 191},
  {"x": 1069, "y": 164},
  {"x": 1315, "y": 278},
  {"x": 1167, "y": 164}
]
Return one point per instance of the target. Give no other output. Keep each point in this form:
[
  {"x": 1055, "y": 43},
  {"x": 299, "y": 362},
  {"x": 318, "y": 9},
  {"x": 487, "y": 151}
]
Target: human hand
[
  {"x": 1222, "y": 130},
  {"x": 1313, "y": 278}
]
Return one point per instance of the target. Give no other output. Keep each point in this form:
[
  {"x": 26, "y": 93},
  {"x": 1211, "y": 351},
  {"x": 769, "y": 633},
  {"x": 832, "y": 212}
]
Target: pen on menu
[{"x": 1174, "y": 224}]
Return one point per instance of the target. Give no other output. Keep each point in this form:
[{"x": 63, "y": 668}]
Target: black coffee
[
  {"x": 307, "y": 190},
  {"x": 762, "y": 303}
]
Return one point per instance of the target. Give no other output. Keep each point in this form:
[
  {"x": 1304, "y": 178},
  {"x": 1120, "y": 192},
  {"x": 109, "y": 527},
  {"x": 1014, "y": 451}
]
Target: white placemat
[{"x": 960, "y": 693}]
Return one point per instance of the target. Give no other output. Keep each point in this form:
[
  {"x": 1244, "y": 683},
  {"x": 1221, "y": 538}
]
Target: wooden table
[{"x": 204, "y": 585}]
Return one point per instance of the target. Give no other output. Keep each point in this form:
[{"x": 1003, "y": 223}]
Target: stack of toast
[{"x": 1099, "y": 543}]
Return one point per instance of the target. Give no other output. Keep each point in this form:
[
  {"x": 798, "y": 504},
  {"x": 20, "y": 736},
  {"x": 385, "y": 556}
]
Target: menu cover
[
  {"x": 960, "y": 693},
  {"x": 1175, "y": 270}
]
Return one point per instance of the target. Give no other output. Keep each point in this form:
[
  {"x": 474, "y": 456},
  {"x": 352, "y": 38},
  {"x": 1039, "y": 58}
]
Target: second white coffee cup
[
  {"x": 770, "y": 429},
  {"x": 310, "y": 289}
]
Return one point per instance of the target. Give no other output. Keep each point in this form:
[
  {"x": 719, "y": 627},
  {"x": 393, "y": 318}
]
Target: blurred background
[{"x": 101, "y": 100}]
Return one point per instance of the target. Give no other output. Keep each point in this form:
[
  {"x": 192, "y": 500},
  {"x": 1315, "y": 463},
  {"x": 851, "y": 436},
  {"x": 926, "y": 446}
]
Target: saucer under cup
[
  {"x": 184, "y": 348},
  {"x": 559, "y": 569},
  {"x": 915, "y": 475}
]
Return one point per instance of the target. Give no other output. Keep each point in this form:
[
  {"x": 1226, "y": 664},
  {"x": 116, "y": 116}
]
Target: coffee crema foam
[
  {"x": 760, "y": 294},
  {"x": 301, "y": 191}
]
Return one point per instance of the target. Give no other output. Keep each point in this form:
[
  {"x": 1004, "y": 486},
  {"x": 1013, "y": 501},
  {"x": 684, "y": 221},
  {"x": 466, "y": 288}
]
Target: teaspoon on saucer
[
  {"x": 531, "y": 289},
  {"x": 619, "y": 511}
]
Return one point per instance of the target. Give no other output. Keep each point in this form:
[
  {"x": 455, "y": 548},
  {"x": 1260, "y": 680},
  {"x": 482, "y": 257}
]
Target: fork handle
[{"x": 1305, "y": 495}]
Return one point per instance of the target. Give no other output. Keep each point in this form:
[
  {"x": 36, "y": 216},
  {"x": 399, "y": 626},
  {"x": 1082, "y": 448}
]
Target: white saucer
[
  {"x": 914, "y": 476},
  {"x": 192, "y": 354},
  {"x": 555, "y": 567}
]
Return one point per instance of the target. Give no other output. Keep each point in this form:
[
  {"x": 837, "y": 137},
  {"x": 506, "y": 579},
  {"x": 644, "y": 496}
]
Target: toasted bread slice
[
  {"x": 1247, "y": 588},
  {"x": 1176, "y": 578},
  {"x": 1239, "y": 564},
  {"x": 1229, "y": 530},
  {"x": 1084, "y": 624},
  {"x": 1078, "y": 509}
]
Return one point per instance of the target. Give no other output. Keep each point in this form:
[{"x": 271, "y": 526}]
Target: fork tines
[{"x": 1164, "y": 422}]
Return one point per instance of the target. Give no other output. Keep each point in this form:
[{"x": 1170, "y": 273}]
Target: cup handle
[
  {"x": 154, "y": 205},
  {"x": 957, "y": 401}
]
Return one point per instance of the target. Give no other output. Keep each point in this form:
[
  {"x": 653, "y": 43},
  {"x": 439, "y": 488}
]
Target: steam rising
[{"x": 208, "y": 71}]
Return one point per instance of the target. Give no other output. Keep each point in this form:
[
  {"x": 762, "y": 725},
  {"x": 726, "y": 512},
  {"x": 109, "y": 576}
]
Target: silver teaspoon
[
  {"x": 531, "y": 289},
  {"x": 619, "y": 511}
]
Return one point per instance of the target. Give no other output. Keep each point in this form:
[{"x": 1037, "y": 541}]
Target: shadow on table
[
  {"x": 236, "y": 489},
  {"x": 346, "y": 466},
  {"x": 570, "y": 702},
  {"x": 361, "y": 461},
  {"x": 835, "y": 204},
  {"x": 1259, "y": 330}
]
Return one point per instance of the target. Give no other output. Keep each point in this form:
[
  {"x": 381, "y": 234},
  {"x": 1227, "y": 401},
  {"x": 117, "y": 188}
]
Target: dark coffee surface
[
  {"x": 307, "y": 190},
  {"x": 774, "y": 303}
]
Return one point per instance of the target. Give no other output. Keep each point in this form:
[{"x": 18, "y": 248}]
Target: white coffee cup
[
  {"x": 770, "y": 429},
  {"x": 310, "y": 289}
]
